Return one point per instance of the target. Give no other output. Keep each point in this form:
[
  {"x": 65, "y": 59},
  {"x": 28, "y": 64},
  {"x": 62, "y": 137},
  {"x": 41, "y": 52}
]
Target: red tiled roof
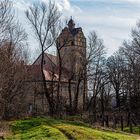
[
  {"x": 51, "y": 57},
  {"x": 51, "y": 70},
  {"x": 35, "y": 73}
]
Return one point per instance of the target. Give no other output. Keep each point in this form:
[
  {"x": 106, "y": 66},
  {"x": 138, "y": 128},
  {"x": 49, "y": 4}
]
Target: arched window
[{"x": 72, "y": 43}]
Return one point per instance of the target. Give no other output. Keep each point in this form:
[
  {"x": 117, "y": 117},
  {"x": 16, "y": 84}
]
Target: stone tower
[{"x": 73, "y": 43}]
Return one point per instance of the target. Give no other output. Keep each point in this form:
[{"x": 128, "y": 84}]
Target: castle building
[
  {"x": 73, "y": 51},
  {"x": 71, "y": 44}
]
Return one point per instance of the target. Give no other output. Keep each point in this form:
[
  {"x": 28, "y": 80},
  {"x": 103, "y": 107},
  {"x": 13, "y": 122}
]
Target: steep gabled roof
[
  {"x": 75, "y": 31},
  {"x": 51, "y": 57},
  {"x": 50, "y": 69},
  {"x": 34, "y": 73}
]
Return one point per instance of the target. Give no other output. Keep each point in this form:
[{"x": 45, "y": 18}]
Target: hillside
[{"x": 51, "y": 129}]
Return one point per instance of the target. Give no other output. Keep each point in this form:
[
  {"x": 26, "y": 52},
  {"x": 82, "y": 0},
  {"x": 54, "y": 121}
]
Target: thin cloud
[
  {"x": 111, "y": 1},
  {"x": 113, "y": 22},
  {"x": 21, "y": 5}
]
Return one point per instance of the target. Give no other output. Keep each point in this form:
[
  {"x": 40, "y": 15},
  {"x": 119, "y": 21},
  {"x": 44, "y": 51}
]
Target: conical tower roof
[{"x": 71, "y": 24}]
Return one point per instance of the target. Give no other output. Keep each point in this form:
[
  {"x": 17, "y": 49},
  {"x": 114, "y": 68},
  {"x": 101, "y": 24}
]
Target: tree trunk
[
  {"x": 76, "y": 97},
  {"x": 70, "y": 97},
  {"x": 102, "y": 108},
  {"x": 130, "y": 124},
  {"x": 128, "y": 119},
  {"x": 114, "y": 122},
  {"x": 84, "y": 94},
  {"x": 94, "y": 109},
  {"x": 59, "y": 83},
  {"x": 45, "y": 87},
  {"x": 107, "y": 121},
  {"x": 121, "y": 123}
]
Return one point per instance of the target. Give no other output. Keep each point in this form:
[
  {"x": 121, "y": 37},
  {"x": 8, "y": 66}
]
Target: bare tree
[
  {"x": 6, "y": 19},
  {"x": 12, "y": 41},
  {"x": 115, "y": 70},
  {"x": 130, "y": 50},
  {"x": 43, "y": 20},
  {"x": 95, "y": 70},
  {"x": 59, "y": 46}
]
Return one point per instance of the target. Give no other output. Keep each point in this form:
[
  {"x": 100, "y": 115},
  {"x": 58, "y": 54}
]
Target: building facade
[{"x": 72, "y": 48}]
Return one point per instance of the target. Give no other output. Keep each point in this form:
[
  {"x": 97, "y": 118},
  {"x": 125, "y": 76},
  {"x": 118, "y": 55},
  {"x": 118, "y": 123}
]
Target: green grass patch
[
  {"x": 53, "y": 129},
  {"x": 40, "y": 132},
  {"x": 84, "y": 133},
  {"x": 136, "y": 130}
]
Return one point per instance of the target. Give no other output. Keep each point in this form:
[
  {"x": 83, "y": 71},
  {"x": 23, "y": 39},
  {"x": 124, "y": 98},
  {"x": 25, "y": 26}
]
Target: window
[
  {"x": 30, "y": 108},
  {"x": 72, "y": 43},
  {"x": 44, "y": 62}
]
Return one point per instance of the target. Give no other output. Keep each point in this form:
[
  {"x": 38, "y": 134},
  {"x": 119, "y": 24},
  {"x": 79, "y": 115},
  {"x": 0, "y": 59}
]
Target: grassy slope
[
  {"x": 136, "y": 130},
  {"x": 50, "y": 129}
]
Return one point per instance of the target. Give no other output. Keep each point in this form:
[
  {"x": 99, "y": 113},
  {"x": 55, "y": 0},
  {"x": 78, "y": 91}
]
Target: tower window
[
  {"x": 72, "y": 43},
  {"x": 80, "y": 59}
]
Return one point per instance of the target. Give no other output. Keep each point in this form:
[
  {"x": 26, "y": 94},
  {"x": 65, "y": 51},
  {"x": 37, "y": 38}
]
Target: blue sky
[{"x": 111, "y": 19}]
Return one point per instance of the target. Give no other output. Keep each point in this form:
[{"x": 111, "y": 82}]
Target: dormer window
[{"x": 44, "y": 62}]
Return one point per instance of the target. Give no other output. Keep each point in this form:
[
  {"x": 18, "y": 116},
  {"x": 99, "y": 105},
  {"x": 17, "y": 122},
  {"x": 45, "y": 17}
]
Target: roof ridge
[
  {"x": 46, "y": 55},
  {"x": 50, "y": 59}
]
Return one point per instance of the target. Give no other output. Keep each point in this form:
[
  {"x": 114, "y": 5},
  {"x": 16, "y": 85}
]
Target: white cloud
[
  {"x": 111, "y": 1},
  {"x": 66, "y": 8},
  {"x": 130, "y": 1},
  {"x": 113, "y": 25},
  {"x": 21, "y": 5},
  {"x": 63, "y": 5}
]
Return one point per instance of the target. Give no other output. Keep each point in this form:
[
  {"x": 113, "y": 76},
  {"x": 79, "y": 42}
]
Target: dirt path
[
  {"x": 66, "y": 134},
  {"x": 4, "y": 129}
]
